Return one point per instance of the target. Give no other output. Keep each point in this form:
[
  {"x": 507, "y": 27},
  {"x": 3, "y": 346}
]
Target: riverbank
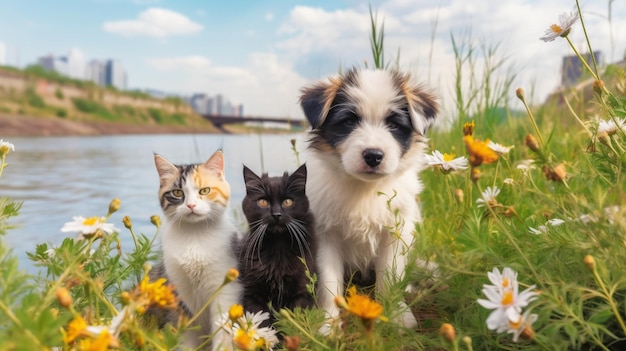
[{"x": 19, "y": 125}]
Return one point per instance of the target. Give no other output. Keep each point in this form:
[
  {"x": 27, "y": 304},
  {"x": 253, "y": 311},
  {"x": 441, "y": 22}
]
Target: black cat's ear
[
  {"x": 249, "y": 176},
  {"x": 298, "y": 177}
]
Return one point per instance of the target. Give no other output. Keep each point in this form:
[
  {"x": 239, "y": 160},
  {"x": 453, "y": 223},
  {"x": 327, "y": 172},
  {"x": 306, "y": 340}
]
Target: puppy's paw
[{"x": 406, "y": 318}]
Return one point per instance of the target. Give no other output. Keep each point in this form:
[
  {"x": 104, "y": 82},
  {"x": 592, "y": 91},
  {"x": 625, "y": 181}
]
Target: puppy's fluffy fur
[{"x": 367, "y": 138}]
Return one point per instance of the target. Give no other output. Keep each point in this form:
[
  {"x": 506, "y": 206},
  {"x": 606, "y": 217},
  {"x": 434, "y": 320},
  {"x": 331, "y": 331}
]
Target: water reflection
[{"x": 60, "y": 177}]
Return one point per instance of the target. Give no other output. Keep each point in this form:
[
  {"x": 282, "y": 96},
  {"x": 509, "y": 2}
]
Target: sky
[{"x": 261, "y": 53}]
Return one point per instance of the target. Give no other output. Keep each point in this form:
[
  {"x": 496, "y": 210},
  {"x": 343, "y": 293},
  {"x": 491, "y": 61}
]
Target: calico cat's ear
[
  {"x": 165, "y": 168},
  {"x": 215, "y": 164},
  {"x": 298, "y": 177}
]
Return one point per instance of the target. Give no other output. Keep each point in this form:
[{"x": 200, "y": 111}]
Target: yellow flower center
[
  {"x": 507, "y": 298},
  {"x": 448, "y": 157},
  {"x": 505, "y": 282},
  {"x": 556, "y": 28},
  {"x": 516, "y": 324},
  {"x": 91, "y": 221}
]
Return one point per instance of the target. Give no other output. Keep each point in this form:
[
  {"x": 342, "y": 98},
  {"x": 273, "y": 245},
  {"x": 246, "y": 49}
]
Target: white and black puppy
[{"x": 366, "y": 147}]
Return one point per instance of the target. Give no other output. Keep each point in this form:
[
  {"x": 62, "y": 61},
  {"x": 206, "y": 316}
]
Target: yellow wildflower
[
  {"x": 479, "y": 151},
  {"x": 156, "y": 294},
  {"x": 101, "y": 343},
  {"x": 76, "y": 328},
  {"x": 364, "y": 307}
]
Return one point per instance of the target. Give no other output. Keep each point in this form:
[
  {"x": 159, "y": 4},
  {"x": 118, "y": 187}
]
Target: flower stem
[
  {"x": 287, "y": 315},
  {"x": 609, "y": 298},
  {"x": 593, "y": 58}
]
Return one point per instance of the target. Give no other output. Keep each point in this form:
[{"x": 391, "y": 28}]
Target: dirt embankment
[{"x": 19, "y": 125}]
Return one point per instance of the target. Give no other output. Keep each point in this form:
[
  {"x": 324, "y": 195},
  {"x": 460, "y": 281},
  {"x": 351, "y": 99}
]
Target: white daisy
[
  {"x": 87, "y": 226},
  {"x": 525, "y": 166},
  {"x": 488, "y": 196},
  {"x": 563, "y": 28},
  {"x": 500, "y": 149},
  {"x": 542, "y": 229},
  {"x": 517, "y": 322},
  {"x": 446, "y": 162},
  {"x": 611, "y": 126},
  {"x": 250, "y": 325},
  {"x": 555, "y": 222},
  {"x": 504, "y": 295},
  {"x": 5, "y": 147}
]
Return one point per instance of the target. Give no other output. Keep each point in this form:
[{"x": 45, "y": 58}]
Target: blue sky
[{"x": 260, "y": 53}]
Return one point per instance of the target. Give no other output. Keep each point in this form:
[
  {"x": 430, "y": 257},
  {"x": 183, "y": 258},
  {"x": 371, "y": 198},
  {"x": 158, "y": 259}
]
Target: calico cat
[
  {"x": 280, "y": 233},
  {"x": 198, "y": 241}
]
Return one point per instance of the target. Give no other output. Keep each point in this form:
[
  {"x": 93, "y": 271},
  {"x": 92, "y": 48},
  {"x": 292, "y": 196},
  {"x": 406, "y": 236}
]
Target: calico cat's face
[{"x": 193, "y": 193}]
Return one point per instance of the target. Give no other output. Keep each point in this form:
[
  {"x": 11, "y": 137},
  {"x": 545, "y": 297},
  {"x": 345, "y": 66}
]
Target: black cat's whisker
[{"x": 300, "y": 233}]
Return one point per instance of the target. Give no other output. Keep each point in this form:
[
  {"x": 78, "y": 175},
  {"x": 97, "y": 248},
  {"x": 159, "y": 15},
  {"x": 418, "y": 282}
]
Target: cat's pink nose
[{"x": 191, "y": 206}]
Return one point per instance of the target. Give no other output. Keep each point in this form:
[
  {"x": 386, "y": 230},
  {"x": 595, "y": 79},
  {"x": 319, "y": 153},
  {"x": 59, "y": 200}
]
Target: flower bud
[
  {"x": 231, "y": 275},
  {"x": 598, "y": 86},
  {"x": 235, "y": 312},
  {"x": 125, "y": 298},
  {"x": 156, "y": 220},
  {"x": 447, "y": 331},
  {"x": 341, "y": 302},
  {"x": 458, "y": 195},
  {"x": 64, "y": 297},
  {"x": 520, "y": 93},
  {"x": 467, "y": 341},
  {"x": 475, "y": 174},
  {"x": 468, "y": 128},
  {"x": 531, "y": 142},
  {"x": 292, "y": 343},
  {"x": 114, "y": 206},
  {"x": 590, "y": 262},
  {"x": 127, "y": 222}
]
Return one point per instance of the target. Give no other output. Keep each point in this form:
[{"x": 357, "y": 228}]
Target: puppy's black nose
[{"x": 373, "y": 157}]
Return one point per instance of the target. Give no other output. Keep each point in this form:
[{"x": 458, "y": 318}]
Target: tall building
[
  {"x": 115, "y": 75},
  {"x": 3, "y": 54},
  {"x": 53, "y": 63},
  {"x": 572, "y": 68},
  {"x": 95, "y": 71},
  {"x": 75, "y": 64},
  {"x": 199, "y": 103},
  {"x": 219, "y": 104}
]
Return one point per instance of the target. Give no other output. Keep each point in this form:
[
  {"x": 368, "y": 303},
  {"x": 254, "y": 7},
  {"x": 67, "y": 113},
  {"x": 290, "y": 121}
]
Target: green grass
[{"x": 575, "y": 264}]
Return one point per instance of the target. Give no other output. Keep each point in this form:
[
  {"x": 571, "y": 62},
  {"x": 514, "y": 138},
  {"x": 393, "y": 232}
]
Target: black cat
[{"x": 280, "y": 234}]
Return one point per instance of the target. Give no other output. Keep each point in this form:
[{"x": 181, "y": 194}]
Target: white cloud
[{"x": 154, "y": 22}]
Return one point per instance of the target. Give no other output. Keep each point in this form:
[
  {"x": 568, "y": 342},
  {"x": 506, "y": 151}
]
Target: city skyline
[{"x": 261, "y": 54}]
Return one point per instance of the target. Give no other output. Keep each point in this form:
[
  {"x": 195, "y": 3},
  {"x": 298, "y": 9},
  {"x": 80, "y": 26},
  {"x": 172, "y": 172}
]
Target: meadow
[{"x": 524, "y": 216}]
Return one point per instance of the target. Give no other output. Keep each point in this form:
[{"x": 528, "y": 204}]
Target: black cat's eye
[
  {"x": 205, "y": 191},
  {"x": 263, "y": 203},
  {"x": 287, "y": 202},
  {"x": 177, "y": 193}
]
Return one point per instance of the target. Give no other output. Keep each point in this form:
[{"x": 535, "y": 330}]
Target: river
[{"x": 57, "y": 178}]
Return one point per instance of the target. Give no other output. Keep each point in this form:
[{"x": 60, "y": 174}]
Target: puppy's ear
[
  {"x": 423, "y": 106},
  {"x": 424, "y": 109},
  {"x": 317, "y": 98}
]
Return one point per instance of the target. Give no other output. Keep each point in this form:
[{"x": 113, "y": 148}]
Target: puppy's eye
[
  {"x": 351, "y": 122},
  {"x": 392, "y": 125},
  {"x": 204, "y": 191},
  {"x": 287, "y": 203},
  {"x": 262, "y": 203},
  {"x": 177, "y": 193}
]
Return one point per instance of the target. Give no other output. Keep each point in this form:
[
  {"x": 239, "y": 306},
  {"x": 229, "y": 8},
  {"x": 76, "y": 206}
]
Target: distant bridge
[{"x": 219, "y": 120}]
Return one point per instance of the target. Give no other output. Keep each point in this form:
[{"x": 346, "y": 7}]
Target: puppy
[{"x": 364, "y": 153}]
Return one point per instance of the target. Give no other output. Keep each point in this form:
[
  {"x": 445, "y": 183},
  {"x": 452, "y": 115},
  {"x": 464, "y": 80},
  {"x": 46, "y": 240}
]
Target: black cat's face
[{"x": 275, "y": 203}]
